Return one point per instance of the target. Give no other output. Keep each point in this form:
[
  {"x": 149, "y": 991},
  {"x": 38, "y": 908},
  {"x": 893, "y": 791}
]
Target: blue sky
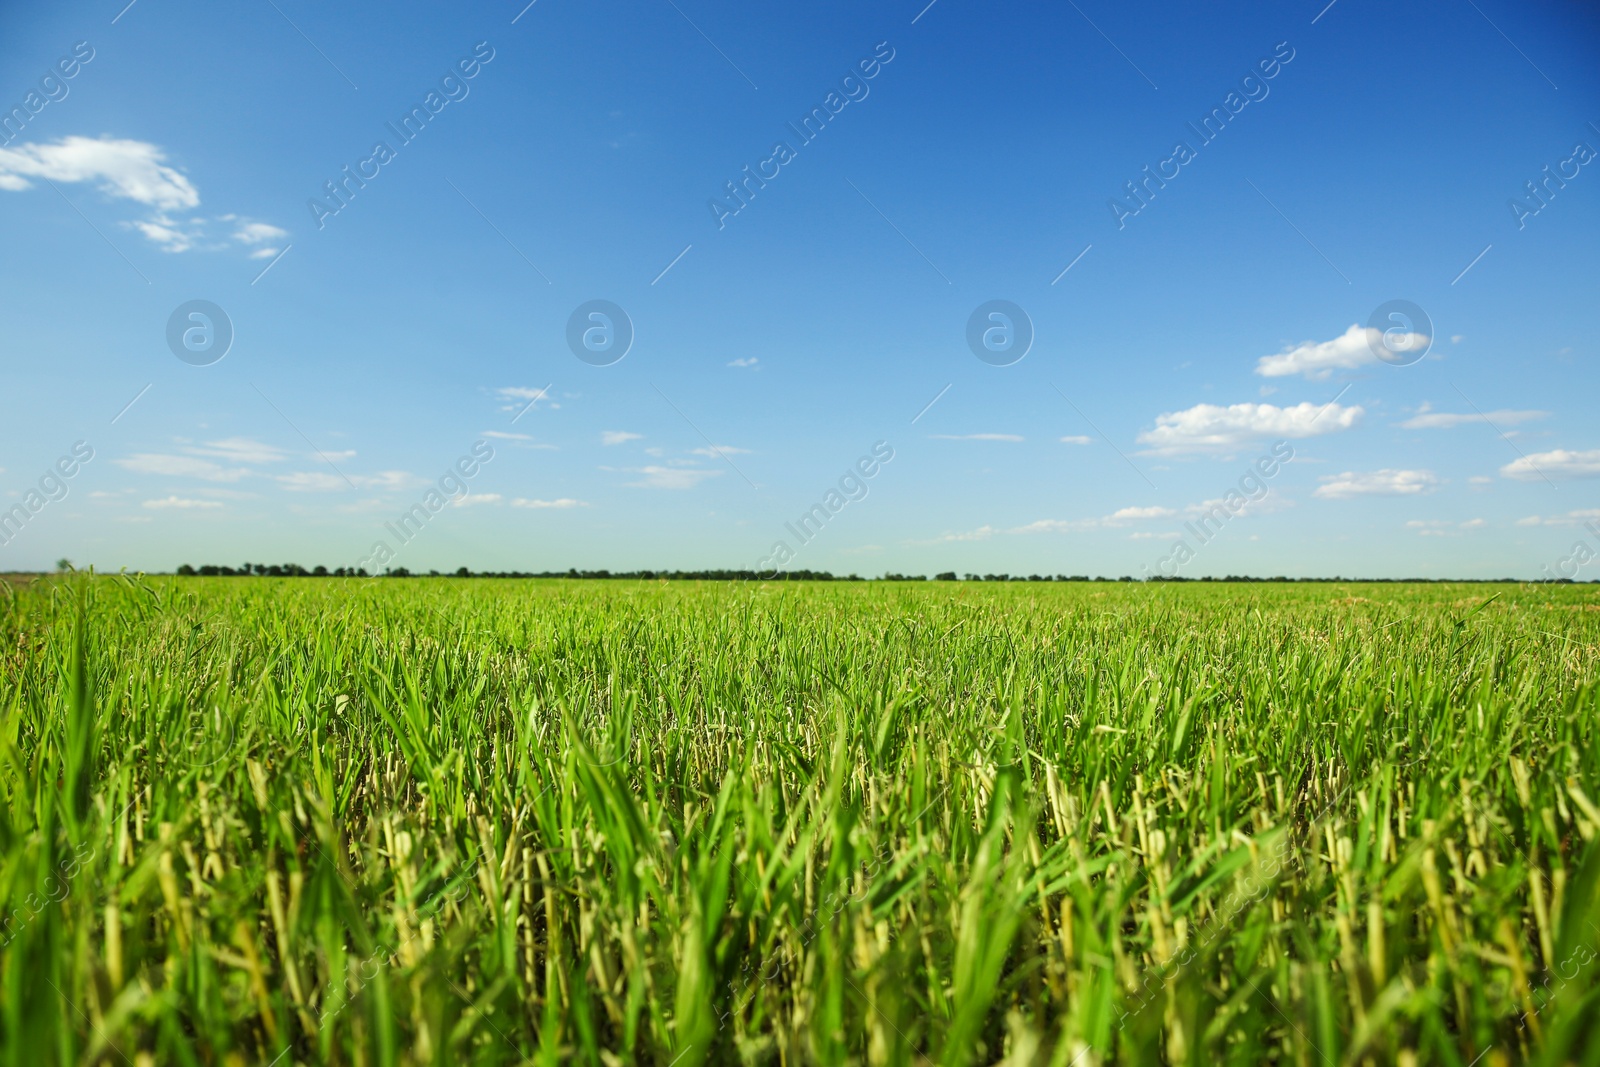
[{"x": 774, "y": 347}]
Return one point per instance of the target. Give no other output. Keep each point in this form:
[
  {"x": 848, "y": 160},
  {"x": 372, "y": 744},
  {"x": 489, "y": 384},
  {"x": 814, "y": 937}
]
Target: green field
[{"x": 257, "y": 821}]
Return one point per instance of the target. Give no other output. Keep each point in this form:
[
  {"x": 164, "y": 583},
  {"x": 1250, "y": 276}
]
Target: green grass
[{"x": 435, "y": 821}]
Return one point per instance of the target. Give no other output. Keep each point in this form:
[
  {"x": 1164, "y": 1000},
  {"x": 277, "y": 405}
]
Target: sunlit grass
[{"x": 437, "y": 821}]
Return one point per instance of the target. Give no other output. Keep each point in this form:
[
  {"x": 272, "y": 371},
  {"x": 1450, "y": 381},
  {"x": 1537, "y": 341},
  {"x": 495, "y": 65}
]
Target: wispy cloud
[
  {"x": 182, "y": 503},
  {"x": 240, "y": 450},
  {"x": 328, "y": 482},
  {"x": 522, "y": 397},
  {"x": 562, "y": 502},
  {"x": 1559, "y": 463},
  {"x": 1013, "y": 438},
  {"x": 1386, "y": 482},
  {"x": 619, "y": 437},
  {"x": 181, "y": 467},
  {"x": 1427, "y": 419},
  {"x": 1442, "y": 527},
  {"x": 669, "y": 477}
]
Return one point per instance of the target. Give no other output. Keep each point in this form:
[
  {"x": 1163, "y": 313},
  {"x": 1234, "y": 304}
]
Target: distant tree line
[{"x": 294, "y": 570}]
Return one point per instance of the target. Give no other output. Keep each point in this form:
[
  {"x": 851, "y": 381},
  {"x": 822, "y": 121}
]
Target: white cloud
[
  {"x": 166, "y": 234},
  {"x": 180, "y": 467},
  {"x": 1013, "y": 438},
  {"x": 1386, "y": 482},
  {"x": 311, "y": 482},
  {"x": 563, "y": 502},
  {"x": 1077, "y": 439},
  {"x": 1557, "y": 464},
  {"x": 467, "y": 500},
  {"x": 719, "y": 451},
  {"x": 175, "y": 501},
  {"x": 1120, "y": 517},
  {"x": 749, "y": 362},
  {"x": 1146, "y": 535},
  {"x": 131, "y": 170},
  {"x": 240, "y": 450},
  {"x": 1213, "y": 428},
  {"x": 1427, "y": 419},
  {"x": 326, "y": 482},
  {"x": 982, "y": 533},
  {"x": 670, "y": 477},
  {"x": 1317, "y": 360},
  {"x": 521, "y": 397},
  {"x": 619, "y": 437},
  {"x": 1442, "y": 528},
  {"x": 501, "y": 435},
  {"x": 1571, "y": 518},
  {"x": 255, "y": 233},
  {"x": 1055, "y": 526},
  {"x": 1136, "y": 514}
]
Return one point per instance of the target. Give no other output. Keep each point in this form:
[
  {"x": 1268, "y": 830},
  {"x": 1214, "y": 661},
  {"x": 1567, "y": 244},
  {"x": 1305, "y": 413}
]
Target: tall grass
[{"x": 433, "y": 821}]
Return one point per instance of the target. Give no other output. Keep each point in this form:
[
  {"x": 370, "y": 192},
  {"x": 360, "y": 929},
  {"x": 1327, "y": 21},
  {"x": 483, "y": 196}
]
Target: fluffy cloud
[
  {"x": 1557, "y": 464},
  {"x": 130, "y": 170},
  {"x": 619, "y": 437},
  {"x": 467, "y": 500},
  {"x": 1427, "y": 419},
  {"x": 258, "y": 233},
  {"x": 137, "y": 171},
  {"x": 1317, "y": 360},
  {"x": 563, "y": 502},
  {"x": 1213, "y": 428},
  {"x": 1376, "y": 483}
]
